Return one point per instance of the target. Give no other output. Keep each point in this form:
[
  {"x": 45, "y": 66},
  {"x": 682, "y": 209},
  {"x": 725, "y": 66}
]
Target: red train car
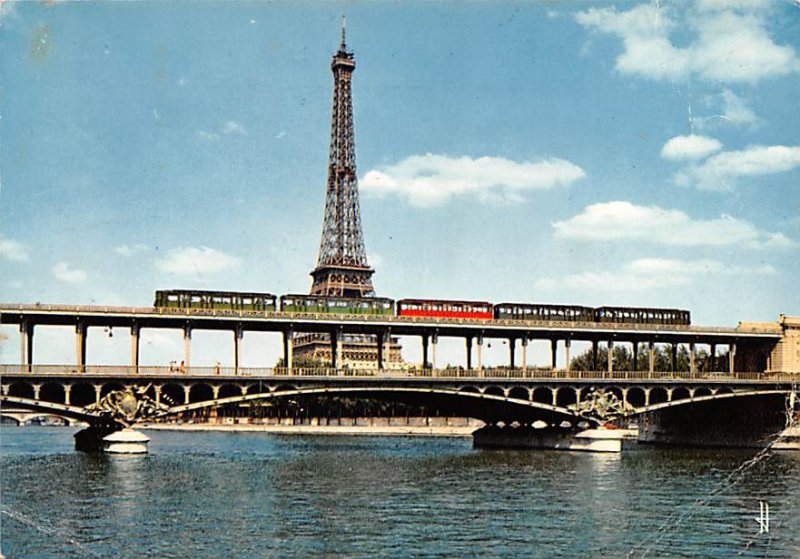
[{"x": 432, "y": 308}]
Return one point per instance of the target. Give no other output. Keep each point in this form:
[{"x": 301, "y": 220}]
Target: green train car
[
  {"x": 217, "y": 300},
  {"x": 337, "y": 305}
]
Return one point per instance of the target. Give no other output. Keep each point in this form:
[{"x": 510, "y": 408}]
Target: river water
[{"x": 253, "y": 495}]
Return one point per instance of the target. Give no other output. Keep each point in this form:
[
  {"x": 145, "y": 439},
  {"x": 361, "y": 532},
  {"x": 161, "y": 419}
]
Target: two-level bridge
[
  {"x": 749, "y": 349},
  {"x": 746, "y": 397}
]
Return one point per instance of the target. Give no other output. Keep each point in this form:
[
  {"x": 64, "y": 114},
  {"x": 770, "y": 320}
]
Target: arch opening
[
  {"x": 82, "y": 394},
  {"x": 21, "y": 389},
  {"x": 636, "y": 397},
  {"x": 52, "y": 392}
]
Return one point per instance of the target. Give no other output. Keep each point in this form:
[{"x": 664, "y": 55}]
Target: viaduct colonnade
[{"x": 745, "y": 350}]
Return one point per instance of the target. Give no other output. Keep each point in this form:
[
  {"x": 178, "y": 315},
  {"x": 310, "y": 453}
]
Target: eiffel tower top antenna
[{"x": 342, "y": 268}]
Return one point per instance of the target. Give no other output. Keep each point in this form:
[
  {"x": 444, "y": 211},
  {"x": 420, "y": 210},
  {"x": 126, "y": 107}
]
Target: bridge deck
[
  {"x": 226, "y": 374},
  {"x": 150, "y": 317}
]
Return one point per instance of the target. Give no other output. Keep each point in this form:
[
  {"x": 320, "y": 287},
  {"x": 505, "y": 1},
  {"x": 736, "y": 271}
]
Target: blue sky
[{"x": 634, "y": 153}]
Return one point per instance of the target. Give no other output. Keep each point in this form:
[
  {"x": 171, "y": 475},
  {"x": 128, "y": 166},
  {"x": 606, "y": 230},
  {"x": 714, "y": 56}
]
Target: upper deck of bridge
[{"x": 220, "y": 319}]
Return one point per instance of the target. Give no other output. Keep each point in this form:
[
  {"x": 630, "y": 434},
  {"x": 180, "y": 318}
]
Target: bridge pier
[
  {"x": 731, "y": 357},
  {"x": 551, "y": 438},
  {"x": 553, "y": 353},
  {"x": 712, "y": 354},
  {"x": 67, "y": 394},
  {"x": 567, "y": 344},
  {"x": 741, "y": 422},
  {"x": 468, "y": 341},
  {"x": 434, "y": 342},
  {"x": 479, "y": 350},
  {"x": 512, "y": 351},
  {"x": 651, "y": 358},
  {"x": 425, "y": 343},
  {"x": 635, "y": 356},
  {"x": 594, "y": 355},
  {"x": 692, "y": 365}
]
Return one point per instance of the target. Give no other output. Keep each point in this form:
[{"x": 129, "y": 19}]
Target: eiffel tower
[{"x": 342, "y": 268}]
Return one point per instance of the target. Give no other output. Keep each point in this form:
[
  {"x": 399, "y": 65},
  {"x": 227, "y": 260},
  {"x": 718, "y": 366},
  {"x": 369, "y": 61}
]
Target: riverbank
[{"x": 369, "y": 426}]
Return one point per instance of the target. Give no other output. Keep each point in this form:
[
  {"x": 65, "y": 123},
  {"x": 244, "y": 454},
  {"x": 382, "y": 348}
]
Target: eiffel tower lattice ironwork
[{"x": 342, "y": 267}]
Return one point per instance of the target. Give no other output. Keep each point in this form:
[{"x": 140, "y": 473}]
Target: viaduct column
[
  {"x": 553, "y": 353},
  {"x": 381, "y": 340},
  {"x": 634, "y": 368},
  {"x": 26, "y": 344},
  {"x": 468, "y": 340},
  {"x": 692, "y": 365},
  {"x": 512, "y": 350},
  {"x": 425, "y": 342},
  {"x": 674, "y": 357},
  {"x": 713, "y": 357},
  {"x": 480, "y": 352},
  {"x": 80, "y": 345},
  {"x": 651, "y": 346},
  {"x": 187, "y": 345},
  {"x": 238, "y": 334},
  {"x": 567, "y": 344},
  {"x": 594, "y": 355},
  {"x": 525, "y": 354},
  {"x": 288, "y": 347},
  {"x": 731, "y": 358},
  {"x": 610, "y": 356},
  {"x": 135, "y": 347},
  {"x": 434, "y": 341},
  {"x": 336, "y": 349}
]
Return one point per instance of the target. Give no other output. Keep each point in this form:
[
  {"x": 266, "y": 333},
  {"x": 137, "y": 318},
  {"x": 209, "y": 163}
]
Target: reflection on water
[{"x": 256, "y": 495}]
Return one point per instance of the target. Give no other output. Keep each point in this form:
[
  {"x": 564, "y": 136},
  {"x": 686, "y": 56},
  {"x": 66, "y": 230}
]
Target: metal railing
[
  {"x": 245, "y": 314},
  {"x": 451, "y": 373}
]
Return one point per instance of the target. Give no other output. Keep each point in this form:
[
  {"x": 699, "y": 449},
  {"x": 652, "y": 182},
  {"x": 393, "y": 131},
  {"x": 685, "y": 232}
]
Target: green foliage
[{"x": 623, "y": 359}]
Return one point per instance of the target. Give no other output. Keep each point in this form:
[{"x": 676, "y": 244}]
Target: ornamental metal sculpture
[
  {"x": 602, "y": 405},
  {"x": 342, "y": 268},
  {"x": 127, "y": 406}
]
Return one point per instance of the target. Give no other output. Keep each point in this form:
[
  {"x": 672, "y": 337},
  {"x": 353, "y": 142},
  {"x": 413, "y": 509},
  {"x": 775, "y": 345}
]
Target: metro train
[{"x": 430, "y": 308}]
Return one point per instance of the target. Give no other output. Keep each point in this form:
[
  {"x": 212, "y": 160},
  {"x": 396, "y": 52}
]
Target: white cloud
[
  {"x": 723, "y": 170},
  {"x": 63, "y": 272},
  {"x": 653, "y": 273},
  {"x": 12, "y": 250},
  {"x": 205, "y": 136},
  {"x": 228, "y": 128},
  {"x": 620, "y": 220},
  {"x": 233, "y": 127},
  {"x": 735, "y": 112},
  {"x": 130, "y": 250},
  {"x": 196, "y": 260},
  {"x": 432, "y": 180},
  {"x": 689, "y": 147},
  {"x": 731, "y": 42}
]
